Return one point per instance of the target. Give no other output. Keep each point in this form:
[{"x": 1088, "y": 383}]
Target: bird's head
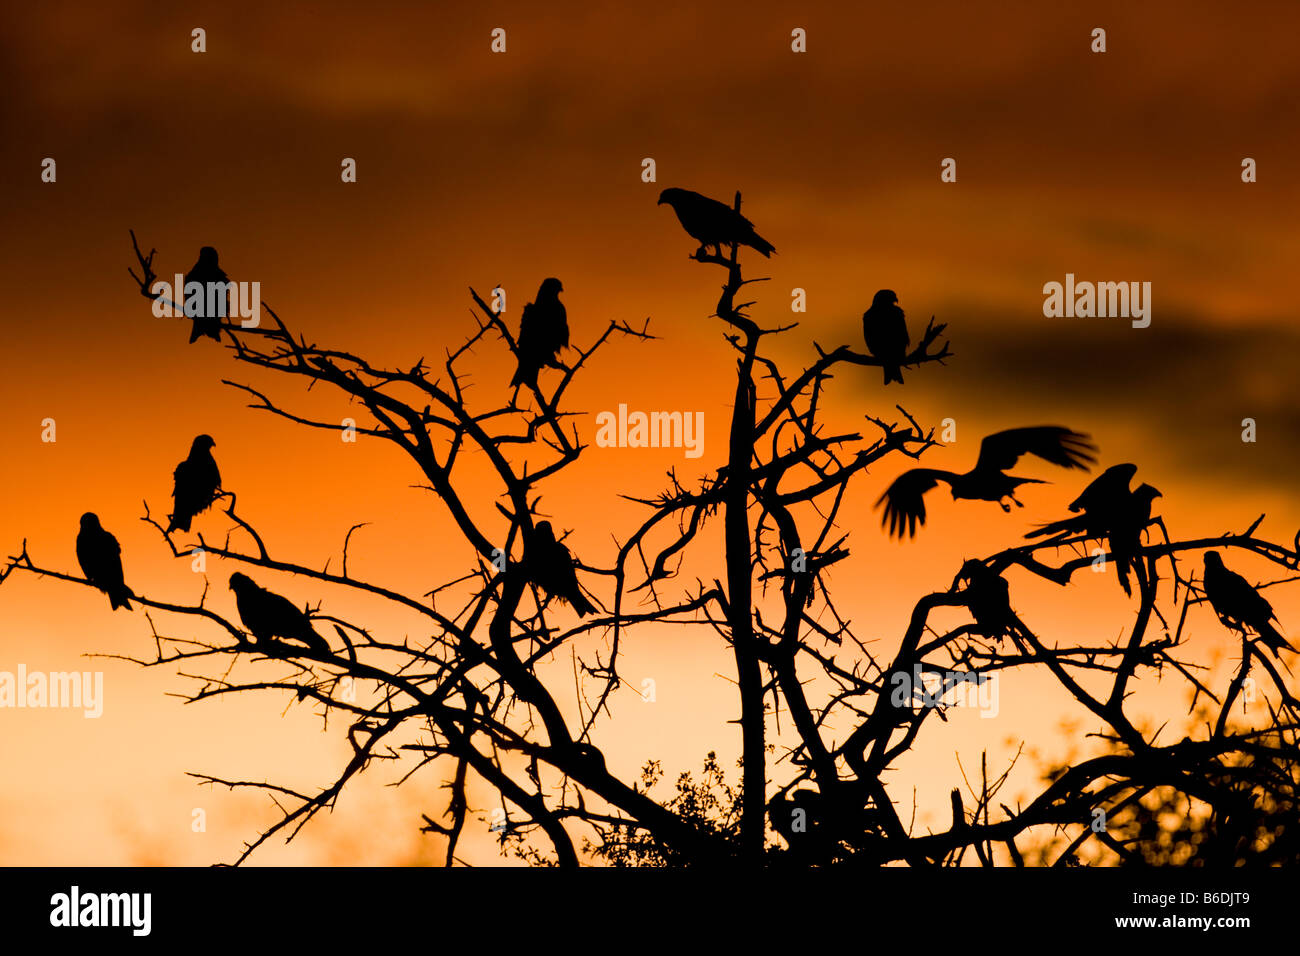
[
  {"x": 550, "y": 287},
  {"x": 89, "y": 521},
  {"x": 668, "y": 196},
  {"x": 1213, "y": 559},
  {"x": 543, "y": 531},
  {"x": 207, "y": 256},
  {"x": 884, "y": 297},
  {"x": 970, "y": 570},
  {"x": 241, "y": 582},
  {"x": 202, "y": 442},
  {"x": 1147, "y": 493}
]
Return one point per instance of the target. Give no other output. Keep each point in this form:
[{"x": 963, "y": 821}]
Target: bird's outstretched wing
[
  {"x": 1060, "y": 446},
  {"x": 904, "y": 500}
]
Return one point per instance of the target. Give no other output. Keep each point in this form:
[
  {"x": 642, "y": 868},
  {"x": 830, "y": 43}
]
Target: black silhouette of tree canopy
[{"x": 471, "y": 699}]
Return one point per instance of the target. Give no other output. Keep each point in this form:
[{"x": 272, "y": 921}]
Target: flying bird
[
  {"x": 100, "y": 557},
  {"x": 713, "y": 223},
  {"x": 196, "y": 484},
  {"x": 550, "y": 566},
  {"x": 988, "y": 481},
  {"x": 205, "y": 272},
  {"x": 1096, "y": 507},
  {"x": 884, "y": 328},
  {"x": 543, "y": 331},
  {"x": 267, "y": 615},
  {"x": 1239, "y": 605},
  {"x": 988, "y": 598},
  {"x": 1131, "y": 518}
]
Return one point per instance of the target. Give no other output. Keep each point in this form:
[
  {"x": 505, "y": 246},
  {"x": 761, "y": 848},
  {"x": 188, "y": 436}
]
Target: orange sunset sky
[{"x": 478, "y": 169}]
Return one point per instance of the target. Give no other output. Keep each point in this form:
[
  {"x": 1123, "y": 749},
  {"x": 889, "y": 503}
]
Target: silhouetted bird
[
  {"x": 1096, "y": 506},
  {"x": 207, "y": 271},
  {"x": 988, "y": 597},
  {"x": 1131, "y": 518},
  {"x": 797, "y": 818},
  {"x": 713, "y": 223},
  {"x": 1239, "y": 605},
  {"x": 549, "y": 565},
  {"x": 100, "y": 557},
  {"x": 267, "y": 615},
  {"x": 885, "y": 330},
  {"x": 987, "y": 481},
  {"x": 543, "y": 331},
  {"x": 196, "y": 483}
]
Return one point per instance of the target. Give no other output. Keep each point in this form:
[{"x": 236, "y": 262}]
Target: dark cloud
[{"x": 1182, "y": 385}]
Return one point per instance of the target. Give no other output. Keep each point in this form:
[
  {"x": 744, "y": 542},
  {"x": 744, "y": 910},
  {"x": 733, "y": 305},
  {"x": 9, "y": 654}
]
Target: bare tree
[{"x": 473, "y": 699}]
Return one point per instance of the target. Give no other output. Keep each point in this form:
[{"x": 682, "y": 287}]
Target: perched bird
[
  {"x": 267, "y": 615},
  {"x": 885, "y": 330},
  {"x": 988, "y": 597},
  {"x": 1130, "y": 519},
  {"x": 205, "y": 272},
  {"x": 1239, "y": 605},
  {"x": 797, "y": 818},
  {"x": 713, "y": 223},
  {"x": 904, "y": 500},
  {"x": 196, "y": 483},
  {"x": 100, "y": 557},
  {"x": 543, "y": 331},
  {"x": 549, "y": 565},
  {"x": 1096, "y": 506}
]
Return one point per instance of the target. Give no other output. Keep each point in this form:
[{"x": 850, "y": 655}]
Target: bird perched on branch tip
[
  {"x": 543, "y": 332},
  {"x": 884, "y": 327},
  {"x": 206, "y": 272},
  {"x": 713, "y": 223},
  {"x": 196, "y": 483}
]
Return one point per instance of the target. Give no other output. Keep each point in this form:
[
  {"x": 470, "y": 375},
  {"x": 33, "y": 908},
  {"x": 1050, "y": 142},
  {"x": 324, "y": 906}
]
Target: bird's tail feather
[
  {"x": 120, "y": 597},
  {"x": 1274, "y": 639},
  {"x": 582, "y": 606},
  {"x": 1121, "y": 570},
  {"x": 178, "y": 522},
  {"x": 524, "y": 376},
  {"x": 761, "y": 245},
  {"x": 893, "y": 374}
]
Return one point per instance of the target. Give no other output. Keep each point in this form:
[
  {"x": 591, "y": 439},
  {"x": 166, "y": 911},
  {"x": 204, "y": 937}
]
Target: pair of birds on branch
[
  {"x": 197, "y": 483},
  {"x": 1109, "y": 509},
  {"x": 715, "y": 224},
  {"x": 1238, "y": 604},
  {"x": 544, "y": 326},
  {"x": 267, "y": 615}
]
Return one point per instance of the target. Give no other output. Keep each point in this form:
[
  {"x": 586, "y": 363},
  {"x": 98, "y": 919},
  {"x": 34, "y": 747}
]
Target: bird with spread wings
[{"x": 904, "y": 500}]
